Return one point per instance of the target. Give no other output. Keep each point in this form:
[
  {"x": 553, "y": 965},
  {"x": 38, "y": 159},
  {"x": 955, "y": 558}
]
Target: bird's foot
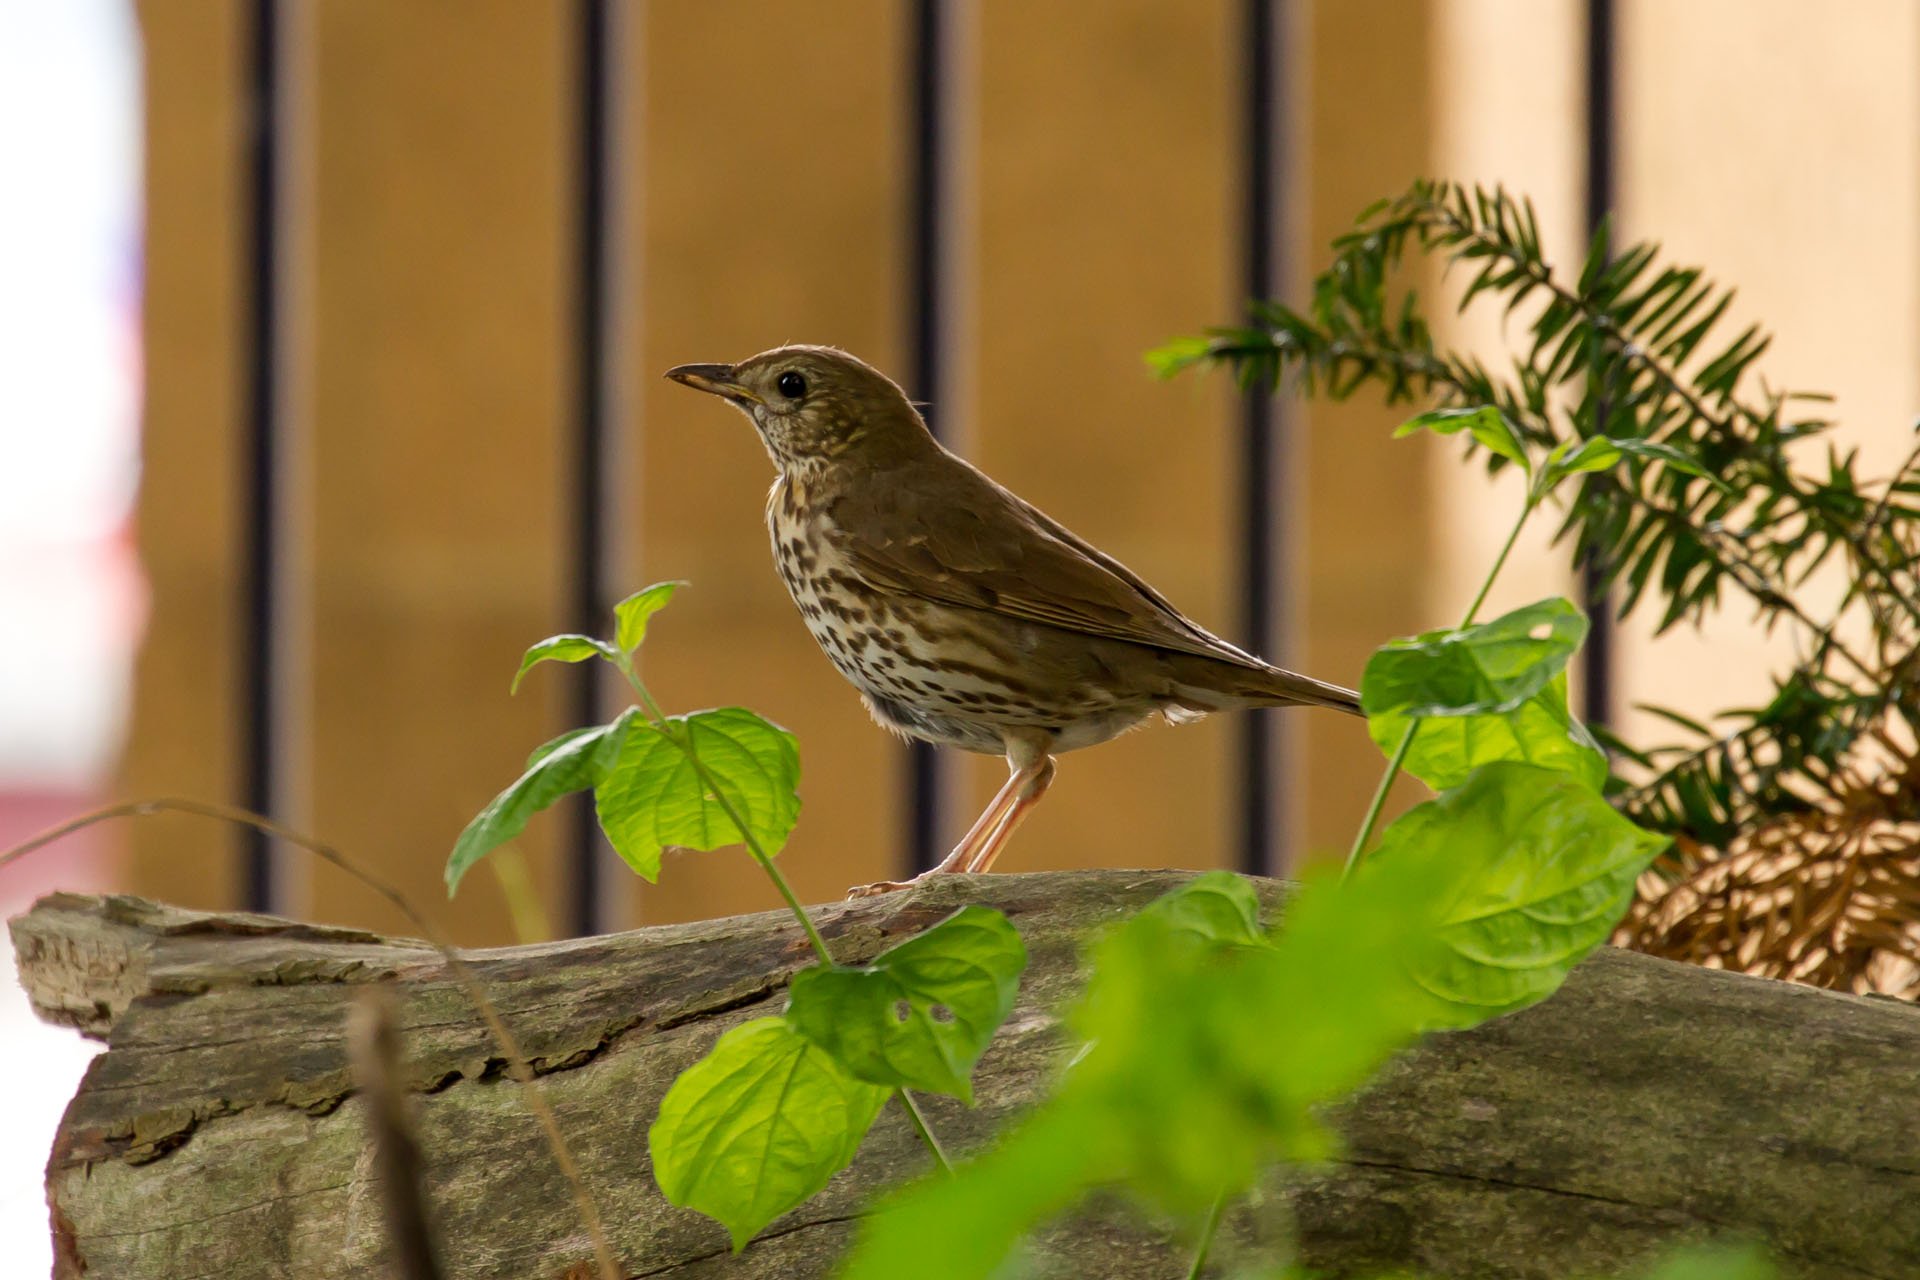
[
  {"x": 879, "y": 887},
  {"x": 876, "y": 889}
]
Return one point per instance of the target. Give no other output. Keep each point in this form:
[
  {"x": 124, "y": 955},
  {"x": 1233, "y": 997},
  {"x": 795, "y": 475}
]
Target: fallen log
[{"x": 1646, "y": 1104}]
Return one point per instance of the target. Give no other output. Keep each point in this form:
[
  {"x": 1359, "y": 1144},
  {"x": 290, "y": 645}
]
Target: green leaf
[
  {"x": 964, "y": 1227},
  {"x": 552, "y": 745},
  {"x": 758, "y": 1126},
  {"x": 1485, "y": 424},
  {"x": 1599, "y": 453},
  {"x": 1538, "y": 870},
  {"x": 572, "y": 762},
  {"x": 1539, "y": 731},
  {"x": 1714, "y": 1262},
  {"x": 923, "y": 1012},
  {"x": 1479, "y": 670},
  {"x": 1215, "y": 907},
  {"x": 630, "y": 615},
  {"x": 653, "y": 797},
  {"x": 1178, "y": 355},
  {"x": 1667, "y": 455},
  {"x": 1206, "y": 1058},
  {"x": 1595, "y": 453},
  {"x": 568, "y": 648}
]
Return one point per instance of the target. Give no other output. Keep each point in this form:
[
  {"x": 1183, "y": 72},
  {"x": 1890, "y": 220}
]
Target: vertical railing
[
  {"x": 262, "y": 687},
  {"x": 1260, "y": 764},
  {"x": 586, "y": 505},
  {"x": 1597, "y": 658},
  {"x": 928, "y": 218}
]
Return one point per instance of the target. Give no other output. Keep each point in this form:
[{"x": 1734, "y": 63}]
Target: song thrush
[{"x": 963, "y": 615}]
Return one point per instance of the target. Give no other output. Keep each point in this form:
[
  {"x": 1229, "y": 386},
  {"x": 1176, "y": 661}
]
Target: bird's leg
[
  {"x": 1034, "y": 781},
  {"x": 983, "y": 826},
  {"x": 1032, "y": 770},
  {"x": 1003, "y": 799}
]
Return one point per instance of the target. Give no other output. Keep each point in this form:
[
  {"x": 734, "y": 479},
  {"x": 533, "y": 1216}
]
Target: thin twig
[{"x": 373, "y": 1046}]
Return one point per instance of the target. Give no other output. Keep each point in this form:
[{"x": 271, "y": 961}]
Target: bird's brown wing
[{"x": 943, "y": 531}]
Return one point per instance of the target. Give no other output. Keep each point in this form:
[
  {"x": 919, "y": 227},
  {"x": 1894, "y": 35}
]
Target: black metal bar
[
  {"x": 1259, "y": 744},
  {"x": 925, "y": 296},
  {"x": 1598, "y": 657},
  {"x": 587, "y": 497},
  {"x": 260, "y": 687}
]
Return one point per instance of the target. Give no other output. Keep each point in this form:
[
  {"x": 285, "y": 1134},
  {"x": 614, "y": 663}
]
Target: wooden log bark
[{"x": 1646, "y": 1104}]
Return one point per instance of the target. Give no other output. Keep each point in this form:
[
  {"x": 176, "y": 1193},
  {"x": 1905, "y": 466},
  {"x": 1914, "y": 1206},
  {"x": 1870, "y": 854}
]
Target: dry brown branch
[
  {"x": 1829, "y": 897},
  {"x": 373, "y": 1044}
]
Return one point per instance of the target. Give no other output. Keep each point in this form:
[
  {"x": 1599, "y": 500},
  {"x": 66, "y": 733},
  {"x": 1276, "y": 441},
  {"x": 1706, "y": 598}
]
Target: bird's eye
[{"x": 791, "y": 385}]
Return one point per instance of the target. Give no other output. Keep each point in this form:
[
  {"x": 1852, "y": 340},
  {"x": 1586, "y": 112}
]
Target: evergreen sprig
[{"x": 1633, "y": 348}]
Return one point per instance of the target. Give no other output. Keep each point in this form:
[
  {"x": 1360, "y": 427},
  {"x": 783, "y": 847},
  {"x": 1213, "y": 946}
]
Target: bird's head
[{"x": 816, "y": 405}]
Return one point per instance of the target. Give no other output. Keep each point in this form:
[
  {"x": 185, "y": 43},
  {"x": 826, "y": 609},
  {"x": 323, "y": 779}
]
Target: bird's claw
[{"x": 877, "y": 888}]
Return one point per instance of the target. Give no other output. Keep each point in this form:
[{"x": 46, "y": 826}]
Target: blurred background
[{"x": 331, "y": 333}]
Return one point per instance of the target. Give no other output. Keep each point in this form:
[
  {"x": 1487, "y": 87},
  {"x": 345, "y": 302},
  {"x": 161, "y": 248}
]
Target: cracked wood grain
[{"x": 1645, "y": 1104}]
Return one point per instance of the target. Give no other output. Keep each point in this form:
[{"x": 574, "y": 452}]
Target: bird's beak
[{"x": 715, "y": 378}]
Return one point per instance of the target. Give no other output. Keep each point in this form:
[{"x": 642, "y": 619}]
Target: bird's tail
[
  {"x": 1222, "y": 686},
  {"x": 1280, "y": 688}
]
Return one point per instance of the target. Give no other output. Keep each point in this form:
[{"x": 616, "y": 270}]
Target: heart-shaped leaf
[
  {"x": 758, "y": 1126},
  {"x": 1217, "y": 907},
  {"x": 653, "y": 796},
  {"x": 568, "y": 648},
  {"x": 630, "y": 615},
  {"x": 572, "y": 762},
  {"x": 552, "y": 745},
  {"x": 923, "y": 1012},
  {"x": 1205, "y": 1061},
  {"x": 964, "y": 1227},
  {"x": 1485, "y": 669},
  {"x": 1540, "y": 868},
  {"x": 1539, "y": 731}
]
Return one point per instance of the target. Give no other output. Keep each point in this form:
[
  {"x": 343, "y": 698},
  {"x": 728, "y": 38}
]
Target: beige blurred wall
[
  {"x": 184, "y": 735},
  {"x": 1106, "y": 140},
  {"x": 770, "y": 207},
  {"x": 1524, "y": 130},
  {"x": 764, "y": 200},
  {"x": 1778, "y": 144}
]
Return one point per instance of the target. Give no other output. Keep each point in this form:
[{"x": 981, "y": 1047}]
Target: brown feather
[{"x": 942, "y": 531}]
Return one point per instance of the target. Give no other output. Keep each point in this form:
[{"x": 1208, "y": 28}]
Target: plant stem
[
  {"x": 764, "y": 859},
  {"x": 1379, "y": 801},
  {"x": 1399, "y": 758},
  {"x": 926, "y": 1132},
  {"x": 1205, "y": 1246},
  {"x": 761, "y": 856},
  {"x": 1500, "y": 561}
]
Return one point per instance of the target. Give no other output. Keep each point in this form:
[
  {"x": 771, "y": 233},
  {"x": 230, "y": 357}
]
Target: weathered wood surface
[{"x": 1645, "y": 1104}]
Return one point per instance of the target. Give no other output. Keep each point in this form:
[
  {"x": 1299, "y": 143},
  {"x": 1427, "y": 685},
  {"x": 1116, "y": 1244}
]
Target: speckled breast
[{"x": 895, "y": 650}]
